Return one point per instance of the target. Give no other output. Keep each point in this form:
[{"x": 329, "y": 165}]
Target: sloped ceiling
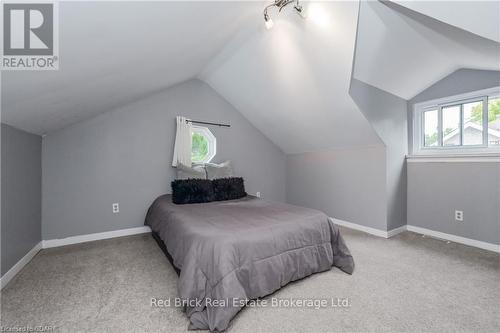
[
  {"x": 112, "y": 53},
  {"x": 292, "y": 82},
  {"x": 479, "y": 17},
  {"x": 403, "y": 52}
]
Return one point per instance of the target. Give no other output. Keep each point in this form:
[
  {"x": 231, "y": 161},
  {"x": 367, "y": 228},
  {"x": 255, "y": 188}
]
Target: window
[
  {"x": 431, "y": 128},
  {"x": 494, "y": 121},
  {"x": 468, "y": 123},
  {"x": 203, "y": 146}
]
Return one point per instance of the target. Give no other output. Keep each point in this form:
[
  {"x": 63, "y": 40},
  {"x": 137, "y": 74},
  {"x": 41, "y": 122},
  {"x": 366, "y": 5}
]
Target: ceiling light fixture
[
  {"x": 280, "y": 4},
  {"x": 268, "y": 21}
]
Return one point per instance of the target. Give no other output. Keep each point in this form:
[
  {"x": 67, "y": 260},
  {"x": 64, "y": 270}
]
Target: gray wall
[
  {"x": 436, "y": 190},
  {"x": 459, "y": 82},
  {"x": 347, "y": 184},
  {"x": 364, "y": 185},
  {"x": 387, "y": 115},
  {"x": 21, "y": 194},
  {"x": 125, "y": 155}
]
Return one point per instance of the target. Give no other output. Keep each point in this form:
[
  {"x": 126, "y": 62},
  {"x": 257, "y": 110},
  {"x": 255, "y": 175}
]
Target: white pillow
[
  {"x": 223, "y": 170},
  {"x": 195, "y": 172}
]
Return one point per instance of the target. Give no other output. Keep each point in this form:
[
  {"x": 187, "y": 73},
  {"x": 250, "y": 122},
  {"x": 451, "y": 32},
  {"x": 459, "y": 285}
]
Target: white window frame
[
  {"x": 438, "y": 104},
  {"x": 212, "y": 142}
]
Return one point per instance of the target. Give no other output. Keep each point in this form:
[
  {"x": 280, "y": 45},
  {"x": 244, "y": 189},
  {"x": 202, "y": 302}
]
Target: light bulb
[
  {"x": 317, "y": 14},
  {"x": 300, "y": 10},
  {"x": 269, "y": 24}
]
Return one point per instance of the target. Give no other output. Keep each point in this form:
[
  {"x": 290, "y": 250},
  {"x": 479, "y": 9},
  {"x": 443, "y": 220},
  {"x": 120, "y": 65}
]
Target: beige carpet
[{"x": 404, "y": 284}]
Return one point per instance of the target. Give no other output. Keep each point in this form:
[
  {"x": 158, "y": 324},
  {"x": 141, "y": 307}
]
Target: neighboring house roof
[{"x": 475, "y": 126}]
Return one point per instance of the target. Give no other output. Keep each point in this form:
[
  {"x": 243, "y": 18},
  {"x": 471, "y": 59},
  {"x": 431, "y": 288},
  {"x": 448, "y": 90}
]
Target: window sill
[{"x": 450, "y": 158}]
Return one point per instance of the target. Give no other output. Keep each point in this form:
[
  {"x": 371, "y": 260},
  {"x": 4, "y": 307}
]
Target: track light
[
  {"x": 268, "y": 21},
  {"x": 280, "y": 4},
  {"x": 300, "y": 10}
]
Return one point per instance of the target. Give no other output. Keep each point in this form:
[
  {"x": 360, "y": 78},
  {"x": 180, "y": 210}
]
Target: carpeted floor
[{"x": 404, "y": 284}]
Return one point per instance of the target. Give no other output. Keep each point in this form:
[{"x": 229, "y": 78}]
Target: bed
[{"x": 229, "y": 251}]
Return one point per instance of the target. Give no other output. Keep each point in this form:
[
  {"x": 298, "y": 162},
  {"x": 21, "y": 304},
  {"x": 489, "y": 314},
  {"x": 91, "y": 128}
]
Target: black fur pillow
[
  {"x": 185, "y": 191},
  {"x": 229, "y": 188}
]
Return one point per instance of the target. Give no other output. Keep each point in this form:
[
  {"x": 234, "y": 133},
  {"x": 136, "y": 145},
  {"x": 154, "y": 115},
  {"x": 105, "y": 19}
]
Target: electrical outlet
[
  {"x": 116, "y": 208},
  {"x": 459, "y": 215},
  {"x": 257, "y": 194}
]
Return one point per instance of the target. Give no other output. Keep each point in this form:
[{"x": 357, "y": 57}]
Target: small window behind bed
[{"x": 204, "y": 145}]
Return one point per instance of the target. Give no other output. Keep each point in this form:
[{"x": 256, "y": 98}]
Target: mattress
[{"x": 231, "y": 251}]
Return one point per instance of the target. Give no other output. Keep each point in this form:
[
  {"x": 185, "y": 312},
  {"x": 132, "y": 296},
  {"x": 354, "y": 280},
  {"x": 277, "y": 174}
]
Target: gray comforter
[{"x": 242, "y": 249}]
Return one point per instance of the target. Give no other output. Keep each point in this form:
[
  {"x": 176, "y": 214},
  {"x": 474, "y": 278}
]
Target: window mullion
[
  {"x": 440, "y": 126},
  {"x": 461, "y": 125},
  {"x": 485, "y": 121},
  {"x": 421, "y": 129}
]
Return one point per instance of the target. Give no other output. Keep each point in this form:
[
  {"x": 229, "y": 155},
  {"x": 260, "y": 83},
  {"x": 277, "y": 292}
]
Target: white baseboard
[
  {"x": 419, "y": 230},
  {"x": 395, "y": 231},
  {"x": 46, "y": 244},
  {"x": 456, "y": 239},
  {"x": 93, "y": 237},
  {"x": 144, "y": 229},
  {"x": 369, "y": 230},
  {"x": 19, "y": 265}
]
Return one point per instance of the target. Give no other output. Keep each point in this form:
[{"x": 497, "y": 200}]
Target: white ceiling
[
  {"x": 112, "y": 53},
  {"x": 478, "y": 17},
  {"x": 404, "y": 52},
  {"x": 292, "y": 82}
]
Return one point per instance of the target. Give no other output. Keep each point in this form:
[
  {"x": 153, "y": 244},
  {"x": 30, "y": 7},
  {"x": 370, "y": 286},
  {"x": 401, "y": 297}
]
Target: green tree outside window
[
  {"x": 493, "y": 111},
  {"x": 199, "y": 148}
]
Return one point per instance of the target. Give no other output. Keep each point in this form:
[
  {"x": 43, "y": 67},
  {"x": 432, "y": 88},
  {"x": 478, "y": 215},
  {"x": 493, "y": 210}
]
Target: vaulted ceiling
[
  {"x": 403, "y": 51},
  {"x": 291, "y": 82},
  {"x": 477, "y": 17},
  {"x": 112, "y": 53}
]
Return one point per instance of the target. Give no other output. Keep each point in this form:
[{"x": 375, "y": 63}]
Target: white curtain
[{"x": 183, "y": 142}]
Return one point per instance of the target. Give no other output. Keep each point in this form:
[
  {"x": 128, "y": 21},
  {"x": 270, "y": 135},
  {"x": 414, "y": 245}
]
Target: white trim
[
  {"x": 46, "y": 244},
  {"x": 396, "y": 231},
  {"x": 211, "y": 139},
  {"x": 419, "y": 230},
  {"x": 418, "y": 123},
  {"x": 456, "y": 239},
  {"x": 453, "y": 158},
  {"x": 369, "y": 230},
  {"x": 19, "y": 265},
  {"x": 93, "y": 237}
]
